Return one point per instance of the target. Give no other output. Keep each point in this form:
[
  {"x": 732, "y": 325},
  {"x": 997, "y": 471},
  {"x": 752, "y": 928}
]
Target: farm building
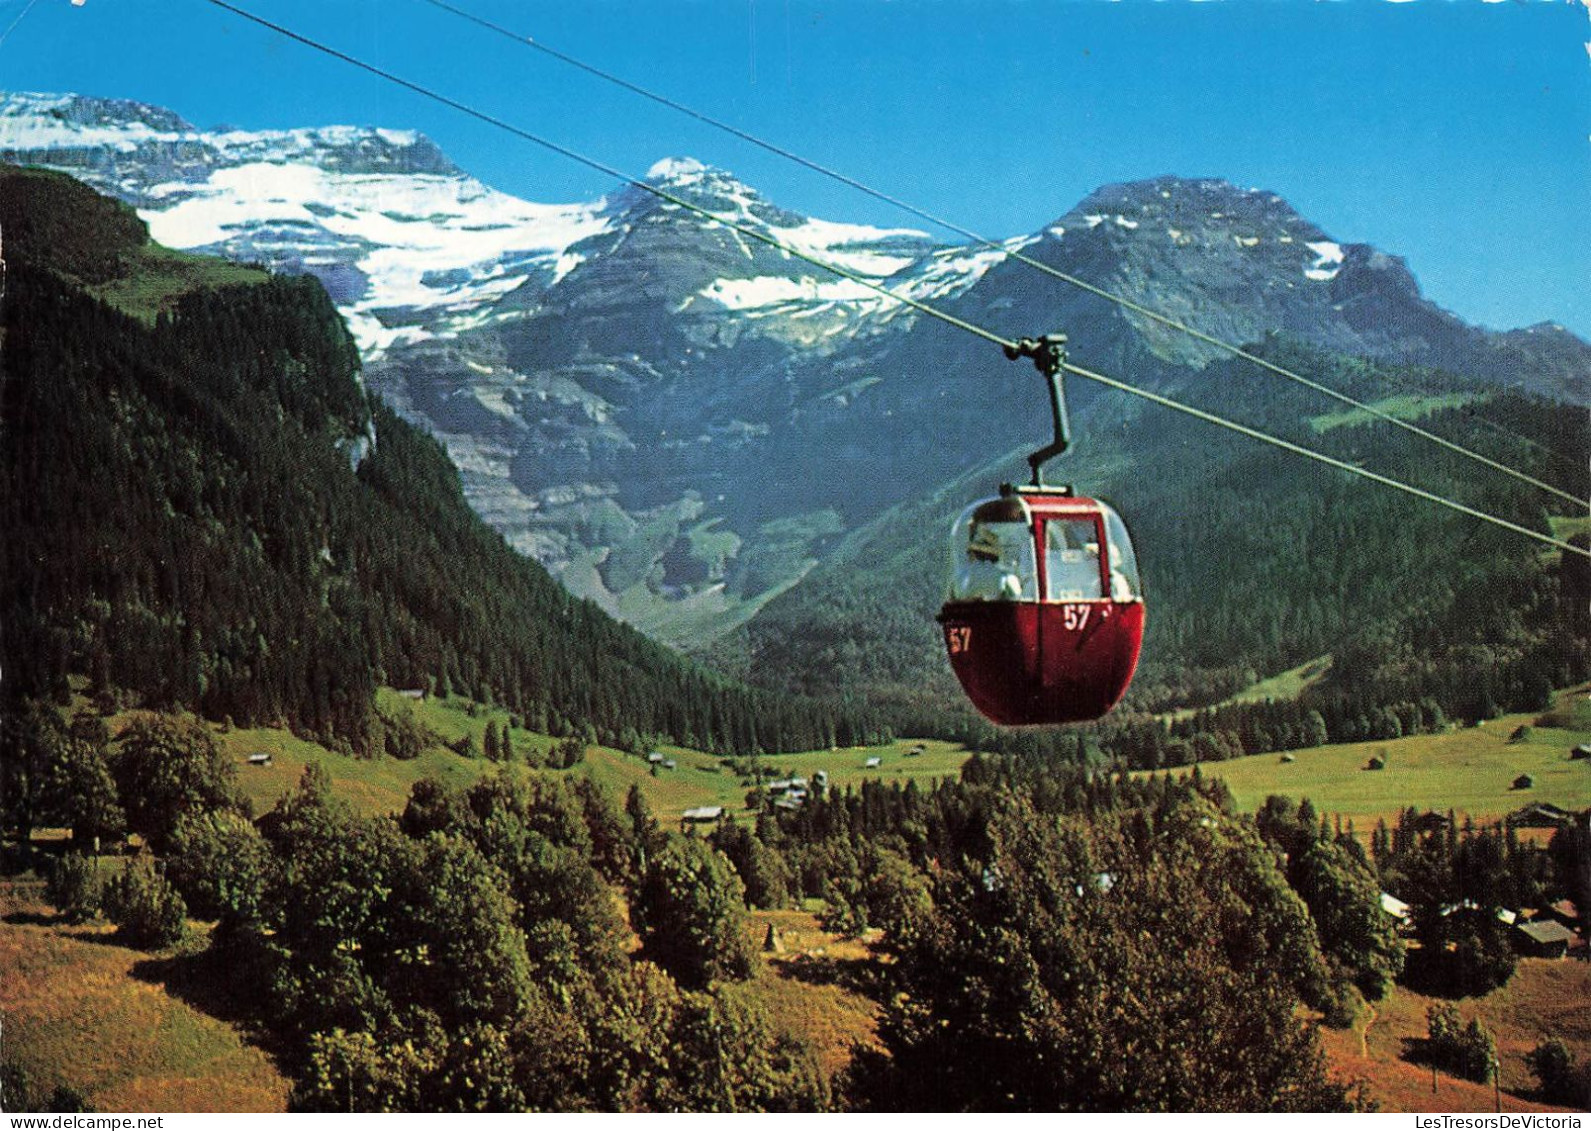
[
  {"x": 705, "y": 815},
  {"x": 1524, "y": 781},
  {"x": 1395, "y": 907},
  {"x": 1564, "y": 911},
  {"x": 872, "y": 763},
  {"x": 260, "y": 759},
  {"x": 1539, "y": 815},
  {"x": 416, "y": 693},
  {"x": 1543, "y": 938},
  {"x": 788, "y": 793}
]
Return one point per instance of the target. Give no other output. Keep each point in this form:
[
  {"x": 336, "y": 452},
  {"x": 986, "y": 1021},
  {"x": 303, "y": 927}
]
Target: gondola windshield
[{"x": 992, "y": 548}]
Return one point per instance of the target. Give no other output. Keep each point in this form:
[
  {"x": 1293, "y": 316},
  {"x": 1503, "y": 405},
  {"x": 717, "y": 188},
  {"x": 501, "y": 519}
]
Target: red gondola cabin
[{"x": 1045, "y": 617}]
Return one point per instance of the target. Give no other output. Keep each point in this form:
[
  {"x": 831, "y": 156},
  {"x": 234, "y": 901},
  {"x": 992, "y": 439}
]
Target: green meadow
[
  {"x": 1468, "y": 770},
  {"x": 382, "y": 785}
]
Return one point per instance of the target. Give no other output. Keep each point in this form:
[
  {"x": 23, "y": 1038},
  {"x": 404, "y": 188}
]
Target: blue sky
[{"x": 1452, "y": 132}]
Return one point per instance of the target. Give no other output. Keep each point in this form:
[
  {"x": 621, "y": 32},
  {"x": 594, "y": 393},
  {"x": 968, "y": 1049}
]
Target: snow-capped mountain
[
  {"x": 407, "y": 244},
  {"x": 749, "y": 269},
  {"x": 410, "y": 246},
  {"x": 679, "y": 417},
  {"x": 1239, "y": 264}
]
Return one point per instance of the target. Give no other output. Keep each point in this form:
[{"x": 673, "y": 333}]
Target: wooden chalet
[{"x": 1543, "y": 938}]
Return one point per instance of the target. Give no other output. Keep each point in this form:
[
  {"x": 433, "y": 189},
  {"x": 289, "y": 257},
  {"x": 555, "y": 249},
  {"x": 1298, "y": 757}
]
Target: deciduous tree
[
  {"x": 169, "y": 766},
  {"x": 690, "y": 912}
]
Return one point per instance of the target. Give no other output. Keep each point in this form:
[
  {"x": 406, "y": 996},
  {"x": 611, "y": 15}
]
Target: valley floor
[{"x": 119, "y": 1026}]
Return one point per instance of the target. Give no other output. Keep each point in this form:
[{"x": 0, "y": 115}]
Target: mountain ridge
[{"x": 637, "y": 399}]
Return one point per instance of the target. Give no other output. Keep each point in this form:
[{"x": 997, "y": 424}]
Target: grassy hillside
[
  {"x": 382, "y": 784},
  {"x": 1544, "y": 999},
  {"x": 1405, "y": 406},
  {"x": 371, "y": 785},
  {"x": 809, "y": 985},
  {"x": 104, "y": 247},
  {"x": 82, "y": 1011},
  {"x": 1470, "y": 770},
  {"x": 161, "y": 278}
]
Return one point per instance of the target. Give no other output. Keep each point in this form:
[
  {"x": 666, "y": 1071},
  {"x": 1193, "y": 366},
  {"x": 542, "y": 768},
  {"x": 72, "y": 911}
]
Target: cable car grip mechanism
[{"x": 1049, "y": 358}]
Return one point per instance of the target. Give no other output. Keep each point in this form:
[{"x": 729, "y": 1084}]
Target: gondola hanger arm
[{"x": 1049, "y": 358}]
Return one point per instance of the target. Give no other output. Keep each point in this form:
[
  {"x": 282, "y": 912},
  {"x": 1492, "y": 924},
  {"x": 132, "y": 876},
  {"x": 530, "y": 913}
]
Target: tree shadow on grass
[
  {"x": 209, "y": 983},
  {"x": 1418, "y": 1050},
  {"x": 859, "y": 975},
  {"x": 199, "y": 980},
  {"x": 86, "y": 933}
]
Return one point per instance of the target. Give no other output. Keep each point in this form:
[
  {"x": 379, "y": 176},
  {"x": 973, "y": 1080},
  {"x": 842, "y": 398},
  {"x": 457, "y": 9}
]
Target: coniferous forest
[{"x": 210, "y": 512}]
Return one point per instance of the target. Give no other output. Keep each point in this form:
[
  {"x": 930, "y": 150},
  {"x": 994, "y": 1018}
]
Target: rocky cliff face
[
  {"x": 679, "y": 419},
  {"x": 1241, "y": 263},
  {"x": 605, "y": 421}
]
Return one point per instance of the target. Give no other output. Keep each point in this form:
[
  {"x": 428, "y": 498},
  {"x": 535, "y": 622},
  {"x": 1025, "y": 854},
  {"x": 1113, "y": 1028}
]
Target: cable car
[{"x": 1045, "y": 616}]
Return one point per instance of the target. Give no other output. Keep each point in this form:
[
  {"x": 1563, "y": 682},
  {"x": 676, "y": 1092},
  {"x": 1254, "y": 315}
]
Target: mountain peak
[
  {"x": 31, "y": 121},
  {"x": 39, "y": 128},
  {"x": 1194, "y": 204},
  {"x": 686, "y": 170},
  {"x": 704, "y": 185}
]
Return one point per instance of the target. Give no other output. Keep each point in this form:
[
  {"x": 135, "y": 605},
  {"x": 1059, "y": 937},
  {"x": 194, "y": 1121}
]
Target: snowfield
[
  {"x": 1328, "y": 261},
  {"x": 423, "y": 241}
]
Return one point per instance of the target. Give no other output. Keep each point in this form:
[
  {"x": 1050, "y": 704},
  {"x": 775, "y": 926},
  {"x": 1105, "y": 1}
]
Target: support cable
[
  {"x": 1322, "y": 457},
  {"x": 608, "y": 170},
  {"x": 985, "y": 241},
  {"x": 22, "y": 15},
  {"x": 961, "y": 324}
]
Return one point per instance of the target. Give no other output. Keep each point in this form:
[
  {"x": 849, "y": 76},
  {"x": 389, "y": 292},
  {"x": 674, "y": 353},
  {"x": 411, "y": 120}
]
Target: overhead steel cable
[
  {"x": 1013, "y": 254},
  {"x": 608, "y": 170},
  {"x": 4, "y": 35},
  {"x": 870, "y": 284},
  {"x": 1322, "y": 457}
]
